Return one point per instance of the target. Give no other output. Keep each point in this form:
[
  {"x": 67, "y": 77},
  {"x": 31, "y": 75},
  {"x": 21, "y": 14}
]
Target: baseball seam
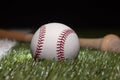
[
  {"x": 40, "y": 42},
  {"x": 61, "y": 42}
]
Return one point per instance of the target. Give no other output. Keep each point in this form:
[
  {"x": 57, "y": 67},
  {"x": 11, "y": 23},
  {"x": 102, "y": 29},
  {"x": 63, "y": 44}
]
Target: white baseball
[{"x": 55, "y": 41}]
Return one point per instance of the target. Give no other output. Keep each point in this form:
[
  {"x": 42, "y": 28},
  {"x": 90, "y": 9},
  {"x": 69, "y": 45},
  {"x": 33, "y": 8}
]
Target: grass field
[{"x": 89, "y": 65}]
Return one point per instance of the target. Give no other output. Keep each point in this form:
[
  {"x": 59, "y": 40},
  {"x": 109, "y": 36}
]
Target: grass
[{"x": 88, "y": 65}]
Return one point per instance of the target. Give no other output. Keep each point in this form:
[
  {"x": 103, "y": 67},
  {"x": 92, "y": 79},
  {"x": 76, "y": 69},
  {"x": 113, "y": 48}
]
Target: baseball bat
[
  {"x": 24, "y": 37},
  {"x": 110, "y": 42}
]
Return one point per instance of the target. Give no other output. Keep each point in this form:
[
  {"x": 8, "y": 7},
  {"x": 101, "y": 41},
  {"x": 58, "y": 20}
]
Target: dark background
[{"x": 83, "y": 16}]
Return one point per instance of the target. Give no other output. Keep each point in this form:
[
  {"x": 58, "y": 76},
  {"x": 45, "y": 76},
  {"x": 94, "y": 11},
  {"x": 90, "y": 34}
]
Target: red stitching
[
  {"x": 40, "y": 42},
  {"x": 61, "y": 42}
]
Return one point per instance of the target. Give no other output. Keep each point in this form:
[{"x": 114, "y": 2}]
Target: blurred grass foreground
[{"x": 89, "y": 65}]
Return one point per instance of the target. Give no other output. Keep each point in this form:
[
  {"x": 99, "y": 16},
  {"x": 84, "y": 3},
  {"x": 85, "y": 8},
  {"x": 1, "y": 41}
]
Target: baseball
[{"x": 55, "y": 41}]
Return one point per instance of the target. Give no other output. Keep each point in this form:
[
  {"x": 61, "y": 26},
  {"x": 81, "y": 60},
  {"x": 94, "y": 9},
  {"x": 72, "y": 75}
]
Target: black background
[{"x": 82, "y": 15}]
